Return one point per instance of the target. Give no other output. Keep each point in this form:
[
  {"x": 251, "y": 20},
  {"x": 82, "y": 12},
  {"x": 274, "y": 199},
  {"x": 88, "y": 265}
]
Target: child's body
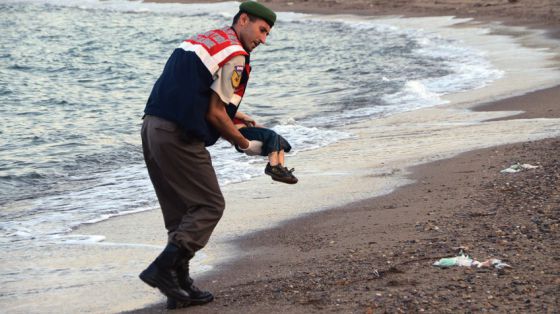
[{"x": 273, "y": 145}]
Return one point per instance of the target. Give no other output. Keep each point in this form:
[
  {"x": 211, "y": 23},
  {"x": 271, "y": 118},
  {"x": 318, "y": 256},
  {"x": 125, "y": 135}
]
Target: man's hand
[
  {"x": 254, "y": 148},
  {"x": 249, "y": 122},
  {"x": 218, "y": 118}
]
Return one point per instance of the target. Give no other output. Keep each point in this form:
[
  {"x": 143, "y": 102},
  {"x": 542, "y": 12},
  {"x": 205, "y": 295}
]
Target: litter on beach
[
  {"x": 518, "y": 167},
  {"x": 466, "y": 261}
]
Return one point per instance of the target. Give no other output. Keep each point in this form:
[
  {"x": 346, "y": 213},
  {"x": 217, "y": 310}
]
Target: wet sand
[{"x": 375, "y": 255}]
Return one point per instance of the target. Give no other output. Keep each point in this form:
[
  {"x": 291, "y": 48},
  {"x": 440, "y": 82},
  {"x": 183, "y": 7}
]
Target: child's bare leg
[
  {"x": 276, "y": 169},
  {"x": 281, "y": 157},
  {"x": 273, "y": 159}
]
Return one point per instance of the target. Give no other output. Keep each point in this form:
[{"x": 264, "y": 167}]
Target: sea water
[{"x": 75, "y": 76}]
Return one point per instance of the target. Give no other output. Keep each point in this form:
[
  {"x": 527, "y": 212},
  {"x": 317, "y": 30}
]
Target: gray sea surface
[{"x": 75, "y": 76}]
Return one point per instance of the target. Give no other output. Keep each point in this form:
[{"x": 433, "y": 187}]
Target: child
[{"x": 273, "y": 146}]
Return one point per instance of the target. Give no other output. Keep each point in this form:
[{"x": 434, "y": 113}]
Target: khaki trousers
[{"x": 185, "y": 183}]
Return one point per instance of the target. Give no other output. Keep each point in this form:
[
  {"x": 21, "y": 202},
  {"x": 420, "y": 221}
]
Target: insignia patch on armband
[{"x": 236, "y": 75}]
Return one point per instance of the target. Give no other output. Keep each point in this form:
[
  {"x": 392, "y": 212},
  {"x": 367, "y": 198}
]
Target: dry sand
[{"x": 376, "y": 255}]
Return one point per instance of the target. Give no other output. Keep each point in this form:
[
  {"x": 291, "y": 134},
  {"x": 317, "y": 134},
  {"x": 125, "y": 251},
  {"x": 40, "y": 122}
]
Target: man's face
[{"x": 251, "y": 34}]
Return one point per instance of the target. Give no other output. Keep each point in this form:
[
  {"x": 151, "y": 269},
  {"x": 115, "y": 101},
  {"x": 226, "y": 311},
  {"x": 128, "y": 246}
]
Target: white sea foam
[
  {"x": 232, "y": 167},
  {"x": 414, "y": 95},
  {"x": 115, "y": 194},
  {"x": 319, "y": 107},
  {"x": 311, "y": 108}
]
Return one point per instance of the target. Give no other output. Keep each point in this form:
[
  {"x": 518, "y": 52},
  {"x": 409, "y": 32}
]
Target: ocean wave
[{"x": 75, "y": 108}]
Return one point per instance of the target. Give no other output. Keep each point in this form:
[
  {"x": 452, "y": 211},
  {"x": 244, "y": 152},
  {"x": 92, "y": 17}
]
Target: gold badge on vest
[{"x": 236, "y": 76}]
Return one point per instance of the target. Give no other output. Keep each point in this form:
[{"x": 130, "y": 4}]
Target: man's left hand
[{"x": 250, "y": 122}]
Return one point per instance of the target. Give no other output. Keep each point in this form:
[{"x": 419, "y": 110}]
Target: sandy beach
[
  {"x": 372, "y": 225},
  {"x": 375, "y": 255}
]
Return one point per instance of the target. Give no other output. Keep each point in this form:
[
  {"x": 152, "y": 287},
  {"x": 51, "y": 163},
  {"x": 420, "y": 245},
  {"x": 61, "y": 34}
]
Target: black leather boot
[
  {"x": 198, "y": 297},
  {"x": 162, "y": 274}
]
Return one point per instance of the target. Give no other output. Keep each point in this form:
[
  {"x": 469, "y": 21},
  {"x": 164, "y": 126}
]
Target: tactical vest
[{"x": 182, "y": 92}]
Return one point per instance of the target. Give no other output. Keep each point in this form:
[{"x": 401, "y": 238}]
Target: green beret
[{"x": 258, "y": 10}]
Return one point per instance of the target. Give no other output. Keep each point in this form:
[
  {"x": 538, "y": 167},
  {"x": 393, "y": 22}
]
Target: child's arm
[{"x": 250, "y": 122}]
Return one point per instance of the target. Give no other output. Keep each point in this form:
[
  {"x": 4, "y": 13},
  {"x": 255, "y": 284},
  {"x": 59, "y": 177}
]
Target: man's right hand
[{"x": 253, "y": 149}]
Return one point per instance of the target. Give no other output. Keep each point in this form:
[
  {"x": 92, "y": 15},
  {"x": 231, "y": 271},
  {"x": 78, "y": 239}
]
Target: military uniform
[{"x": 175, "y": 132}]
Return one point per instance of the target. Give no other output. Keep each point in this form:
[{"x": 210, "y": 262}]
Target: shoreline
[
  {"x": 376, "y": 254},
  {"x": 379, "y": 258},
  {"x": 519, "y": 103},
  {"x": 218, "y": 279},
  {"x": 271, "y": 278},
  {"x": 533, "y": 13}
]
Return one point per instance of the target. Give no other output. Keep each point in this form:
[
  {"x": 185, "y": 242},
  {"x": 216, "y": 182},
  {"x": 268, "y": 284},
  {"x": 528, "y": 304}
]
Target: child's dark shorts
[{"x": 272, "y": 142}]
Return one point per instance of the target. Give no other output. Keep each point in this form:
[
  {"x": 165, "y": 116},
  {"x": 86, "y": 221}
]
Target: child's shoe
[{"x": 281, "y": 174}]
